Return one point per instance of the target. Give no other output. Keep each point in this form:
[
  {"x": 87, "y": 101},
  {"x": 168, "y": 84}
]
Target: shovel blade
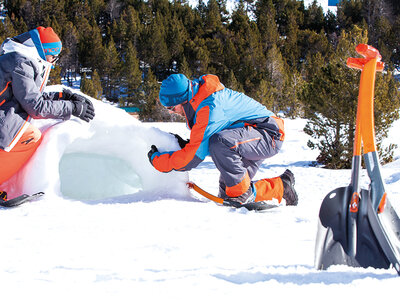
[
  {"x": 386, "y": 227},
  {"x": 331, "y": 245},
  {"x": 335, "y": 230}
]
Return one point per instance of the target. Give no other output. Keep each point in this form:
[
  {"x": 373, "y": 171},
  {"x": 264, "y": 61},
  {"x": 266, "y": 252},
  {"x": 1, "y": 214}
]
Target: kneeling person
[{"x": 237, "y": 132}]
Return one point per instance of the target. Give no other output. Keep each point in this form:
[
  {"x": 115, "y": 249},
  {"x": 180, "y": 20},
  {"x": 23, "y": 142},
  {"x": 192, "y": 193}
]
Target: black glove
[
  {"x": 83, "y": 109},
  {"x": 182, "y": 143},
  {"x": 151, "y": 152},
  {"x": 78, "y": 97},
  {"x": 67, "y": 94}
]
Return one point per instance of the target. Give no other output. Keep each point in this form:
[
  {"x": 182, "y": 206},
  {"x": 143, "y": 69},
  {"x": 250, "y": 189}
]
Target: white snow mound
[{"x": 99, "y": 160}]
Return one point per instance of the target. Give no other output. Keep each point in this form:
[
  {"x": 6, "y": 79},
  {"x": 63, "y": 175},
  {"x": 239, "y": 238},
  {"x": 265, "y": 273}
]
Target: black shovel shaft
[{"x": 378, "y": 193}]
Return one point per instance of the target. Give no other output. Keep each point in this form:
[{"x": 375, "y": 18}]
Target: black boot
[
  {"x": 248, "y": 197},
  {"x": 289, "y": 193}
]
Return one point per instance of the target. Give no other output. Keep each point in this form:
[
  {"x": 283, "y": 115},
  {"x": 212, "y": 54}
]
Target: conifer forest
[{"x": 288, "y": 56}]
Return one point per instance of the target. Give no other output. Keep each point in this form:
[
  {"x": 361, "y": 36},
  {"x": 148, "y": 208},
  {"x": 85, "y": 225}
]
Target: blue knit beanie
[{"x": 175, "y": 90}]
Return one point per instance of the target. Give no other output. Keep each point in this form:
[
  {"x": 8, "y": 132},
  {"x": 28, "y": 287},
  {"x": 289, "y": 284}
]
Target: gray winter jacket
[{"x": 23, "y": 76}]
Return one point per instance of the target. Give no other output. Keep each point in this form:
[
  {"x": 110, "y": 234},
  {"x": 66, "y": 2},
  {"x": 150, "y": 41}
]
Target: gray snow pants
[{"x": 238, "y": 154}]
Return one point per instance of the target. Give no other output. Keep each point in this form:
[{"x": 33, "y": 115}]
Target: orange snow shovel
[{"x": 359, "y": 227}]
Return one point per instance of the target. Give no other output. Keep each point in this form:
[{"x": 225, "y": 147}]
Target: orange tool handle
[
  {"x": 195, "y": 187},
  {"x": 366, "y": 100},
  {"x": 359, "y": 63},
  {"x": 368, "y": 65},
  {"x": 368, "y": 52}
]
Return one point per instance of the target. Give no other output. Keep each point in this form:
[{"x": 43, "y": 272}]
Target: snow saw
[
  {"x": 256, "y": 206},
  {"x": 20, "y": 200},
  {"x": 359, "y": 227}
]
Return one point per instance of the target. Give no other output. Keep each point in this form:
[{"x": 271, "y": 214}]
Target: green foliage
[
  {"x": 55, "y": 76},
  {"x": 87, "y": 85},
  {"x": 331, "y": 98},
  {"x": 91, "y": 86},
  {"x": 110, "y": 70},
  {"x": 331, "y": 103},
  {"x": 98, "y": 90},
  {"x": 133, "y": 75},
  {"x": 150, "y": 107},
  {"x": 387, "y": 102}
]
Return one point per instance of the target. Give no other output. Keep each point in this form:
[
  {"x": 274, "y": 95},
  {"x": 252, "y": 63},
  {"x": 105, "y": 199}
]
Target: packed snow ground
[{"x": 111, "y": 227}]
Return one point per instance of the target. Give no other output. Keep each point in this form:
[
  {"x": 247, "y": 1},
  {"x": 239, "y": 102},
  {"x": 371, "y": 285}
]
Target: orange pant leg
[
  {"x": 269, "y": 188},
  {"x": 11, "y": 162}
]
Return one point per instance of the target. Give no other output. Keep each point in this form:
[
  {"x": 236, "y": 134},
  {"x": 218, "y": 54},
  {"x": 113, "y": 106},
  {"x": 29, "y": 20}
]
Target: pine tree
[
  {"x": 231, "y": 60},
  {"x": 277, "y": 78},
  {"x": 331, "y": 101},
  {"x": 69, "y": 60},
  {"x": 98, "y": 90},
  {"x": 330, "y": 98},
  {"x": 119, "y": 32},
  {"x": 91, "y": 86},
  {"x": 134, "y": 26},
  {"x": 153, "y": 45},
  {"x": 331, "y": 22},
  {"x": 311, "y": 43},
  {"x": 264, "y": 94},
  {"x": 395, "y": 41},
  {"x": 53, "y": 9},
  {"x": 265, "y": 13},
  {"x": 184, "y": 68},
  {"x": 90, "y": 46},
  {"x": 201, "y": 57},
  {"x": 387, "y": 103},
  {"x": 213, "y": 18},
  {"x": 55, "y": 76},
  {"x": 247, "y": 41},
  {"x": 97, "y": 8},
  {"x": 150, "y": 108},
  {"x": 232, "y": 82},
  {"x": 87, "y": 86},
  {"x": 132, "y": 75},
  {"x": 290, "y": 50},
  {"x": 349, "y": 13},
  {"x": 215, "y": 35},
  {"x": 7, "y": 29},
  {"x": 111, "y": 70},
  {"x": 314, "y": 17},
  {"x": 19, "y": 25},
  {"x": 177, "y": 36},
  {"x": 294, "y": 86}
]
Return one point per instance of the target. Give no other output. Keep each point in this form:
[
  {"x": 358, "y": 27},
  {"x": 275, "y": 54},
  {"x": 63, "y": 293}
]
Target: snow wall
[{"x": 100, "y": 160}]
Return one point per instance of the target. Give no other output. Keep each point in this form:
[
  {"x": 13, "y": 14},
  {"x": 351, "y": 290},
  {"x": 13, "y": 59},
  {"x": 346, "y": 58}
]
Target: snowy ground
[{"x": 110, "y": 227}]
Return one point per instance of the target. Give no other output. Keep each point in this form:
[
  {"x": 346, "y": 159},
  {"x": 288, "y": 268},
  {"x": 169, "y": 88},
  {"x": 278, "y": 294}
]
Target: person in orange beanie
[{"x": 25, "y": 64}]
